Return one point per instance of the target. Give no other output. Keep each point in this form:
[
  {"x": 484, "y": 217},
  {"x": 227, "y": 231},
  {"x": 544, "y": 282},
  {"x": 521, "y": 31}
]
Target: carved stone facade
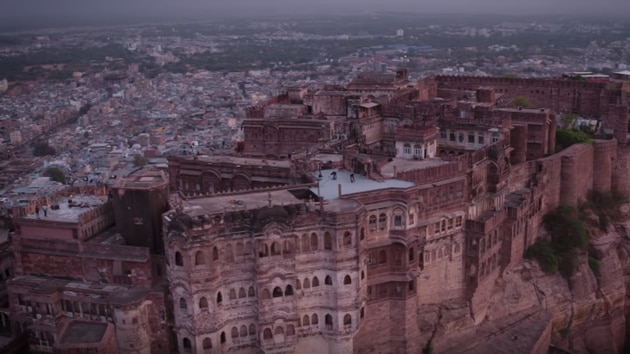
[
  {"x": 347, "y": 214},
  {"x": 322, "y": 261}
]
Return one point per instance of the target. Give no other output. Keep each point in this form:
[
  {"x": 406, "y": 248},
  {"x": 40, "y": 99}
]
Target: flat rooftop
[
  {"x": 84, "y": 332},
  {"x": 524, "y": 110},
  {"x": 247, "y": 200},
  {"x": 114, "y": 293},
  {"x": 404, "y": 165},
  {"x": 329, "y": 187},
  {"x": 142, "y": 179},
  {"x": 245, "y": 161},
  {"x": 69, "y": 208}
]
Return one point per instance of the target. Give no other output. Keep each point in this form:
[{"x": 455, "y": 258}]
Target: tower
[{"x": 139, "y": 202}]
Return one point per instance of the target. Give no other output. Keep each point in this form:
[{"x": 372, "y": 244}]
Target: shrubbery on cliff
[
  {"x": 568, "y": 235},
  {"x": 566, "y": 137},
  {"x": 605, "y": 205}
]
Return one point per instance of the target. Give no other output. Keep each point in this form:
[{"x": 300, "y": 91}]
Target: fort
[{"x": 347, "y": 215}]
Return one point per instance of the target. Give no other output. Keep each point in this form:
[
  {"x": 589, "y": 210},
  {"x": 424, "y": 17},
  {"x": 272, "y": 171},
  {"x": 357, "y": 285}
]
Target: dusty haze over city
[{"x": 69, "y": 12}]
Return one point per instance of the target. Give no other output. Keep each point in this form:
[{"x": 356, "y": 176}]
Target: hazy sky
[{"x": 39, "y": 10}]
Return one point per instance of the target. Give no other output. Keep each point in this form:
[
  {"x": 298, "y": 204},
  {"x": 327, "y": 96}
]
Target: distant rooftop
[
  {"x": 329, "y": 187},
  {"x": 69, "y": 208}
]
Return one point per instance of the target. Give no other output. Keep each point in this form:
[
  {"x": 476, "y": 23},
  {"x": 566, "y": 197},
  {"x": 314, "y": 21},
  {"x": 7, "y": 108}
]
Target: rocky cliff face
[{"x": 586, "y": 314}]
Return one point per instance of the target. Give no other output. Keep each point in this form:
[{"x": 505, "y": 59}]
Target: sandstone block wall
[{"x": 605, "y": 153}]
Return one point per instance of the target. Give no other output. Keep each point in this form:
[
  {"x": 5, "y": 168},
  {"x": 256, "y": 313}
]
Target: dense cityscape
[{"x": 378, "y": 183}]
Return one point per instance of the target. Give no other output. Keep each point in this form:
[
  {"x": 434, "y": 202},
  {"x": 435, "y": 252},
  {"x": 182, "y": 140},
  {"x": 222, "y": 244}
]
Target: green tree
[
  {"x": 55, "y": 174},
  {"x": 566, "y": 137},
  {"x": 520, "y": 101}
]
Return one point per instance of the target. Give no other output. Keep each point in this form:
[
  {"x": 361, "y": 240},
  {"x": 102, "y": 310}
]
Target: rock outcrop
[{"x": 584, "y": 314}]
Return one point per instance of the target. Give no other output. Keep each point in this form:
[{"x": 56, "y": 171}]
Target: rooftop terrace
[
  {"x": 245, "y": 161},
  {"x": 329, "y": 188},
  {"x": 231, "y": 202},
  {"x": 69, "y": 209}
]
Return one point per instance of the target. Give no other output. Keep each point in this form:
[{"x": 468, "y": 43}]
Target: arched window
[
  {"x": 347, "y": 239},
  {"x": 305, "y": 243},
  {"x": 263, "y": 250},
  {"x": 411, "y": 253},
  {"x": 200, "y": 259},
  {"x": 382, "y": 257},
  {"x": 362, "y": 312},
  {"x": 243, "y": 331},
  {"x": 362, "y": 234},
  {"x": 277, "y": 292},
  {"x": 229, "y": 254},
  {"x": 234, "y": 333},
  {"x": 179, "y": 261},
  {"x": 382, "y": 222},
  {"x": 298, "y": 286},
  {"x": 219, "y": 298},
  {"x": 248, "y": 248},
  {"x": 315, "y": 281},
  {"x": 203, "y": 303},
  {"x": 288, "y": 247},
  {"x": 399, "y": 218},
  {"x": 275, "y": 249},
  {"x": 305, "y": 321},
  {"x": 290, "y": 330},
  {"x": 240, "y": 249},
  {"x": 223, "y": 339},
  {"x": 327, "y": 241},
  {"x": 328, "y": 280},
  {"x": 232, "y": 294},
  {"x": 306, "y": 284},
  {"x": 215, "y": 254},
  {"x": 407, "y": 149},
  {"x": 411, "y": 285},
  {"x": 267, "y": 334},
  {"x": 372, "y": 223},
  {"x": 187, "y": 344},
  {"x": 314, "y": 319},
  {"x": 314, "y": 243},
  {"x": 347, "y": 320},
  {"x": 265, "y": 295},
  {"x": 328, "y": 321},
  {"x": 241, "y": 293},
  {"x": 252, "y": 329},
  {"x": 207, "y": 343},
  {"x": 347, "y": 280},
  {"x": 279, "y": 330},
  {"x": 417, "y": 150},
  {"x": 288, "y": 290},
  {"x": 251, "y": 292},
  {"x": 182, "y": 304},
  {"x": 362, "y": 275}
]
